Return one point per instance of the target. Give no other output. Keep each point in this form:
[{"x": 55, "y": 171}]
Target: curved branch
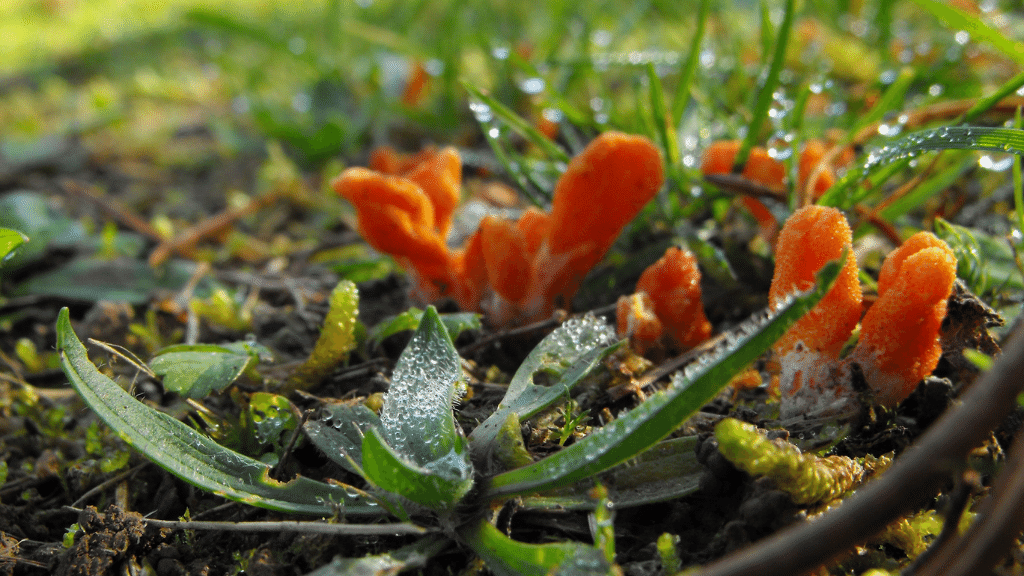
[{"x": 915, "y": 476}]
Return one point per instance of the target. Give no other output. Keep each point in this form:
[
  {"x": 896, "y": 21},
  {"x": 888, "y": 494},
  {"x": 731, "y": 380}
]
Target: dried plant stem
[
  {"x": 398, "y": 528},
  {"x": 916, "y": 476},
  {"x": 212, "y": 225},
  {"x": 1000, "y": 520},
  {"x": 113, "y": 208}
]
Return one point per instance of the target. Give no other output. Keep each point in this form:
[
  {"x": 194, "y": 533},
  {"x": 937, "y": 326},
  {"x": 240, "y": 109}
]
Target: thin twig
[
  {"x": 396, "y": 529},
  {"x": 665, "y": 368},
  {"x": 557, "y": 319},
  {"x": 999, "y": 521},
  {"x": 113, "y": 208},
  {"x": 917, "y": 475},
  {"x": 208, "y": 227},
  {"x": 106, "y": 484}
]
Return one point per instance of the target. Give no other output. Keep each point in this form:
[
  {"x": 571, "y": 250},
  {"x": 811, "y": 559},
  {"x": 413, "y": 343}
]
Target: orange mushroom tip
[
  {"x": 899, "y": 339},
  {"x": 810, "y": 238},
  {"x": 666, "y": 312},
  {"x": 899, "y": 342}
]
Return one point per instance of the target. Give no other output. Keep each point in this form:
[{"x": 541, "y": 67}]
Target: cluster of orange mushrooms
[{"x": 520, "y": 271}]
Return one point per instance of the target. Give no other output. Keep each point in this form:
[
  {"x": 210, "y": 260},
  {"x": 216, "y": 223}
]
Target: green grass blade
[
  {"x": 664, "y": 122},
  {"x": 890, "y": 156},
  {"x": 958, "y": 19},
  {"x": 518, "y": 124},
  {"x": 1018, "y": 185},
  {"x": 667, "y": 471},
  {"x": 892, "y": 99},
  {"x": 188, "y": 454},
  {"x": 982, "y": 106},
  {"x": 689, "y": 70},
  {"x": 656, "y": 418},
  {"x": 771, "y": 82}
]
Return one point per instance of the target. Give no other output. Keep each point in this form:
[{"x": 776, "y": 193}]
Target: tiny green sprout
[
  {"x": 670, "y": 562},
  {"x": 573, "y": 423},
  {"x": 336, "y": 341},
  {"x": 26, "y": 351},
  {"x": 222, "y": 309},
  {"x": 69, "y": 535}
]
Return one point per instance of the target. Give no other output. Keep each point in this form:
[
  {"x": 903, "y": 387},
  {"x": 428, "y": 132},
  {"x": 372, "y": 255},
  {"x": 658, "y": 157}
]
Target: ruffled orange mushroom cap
[
  {"x": 387, "y": 160},
  {"x": 811, "y": 237},
  {"x": 603, "y": 188},
  {"x": 440, "y": 177},
  {"x": 673, "y": 283},
  {"x": 899, "y": 343},
  {"x": 396, "y": 217}
]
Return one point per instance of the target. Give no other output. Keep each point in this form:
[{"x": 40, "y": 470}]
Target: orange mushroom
[
  {"x": 811, "y": 237},
  {"x": 603, "y": 188},
  {"x": 809, "y": 351},
  {"x": 667, "y": 310},
  {"x": 899, "y": 342},
  {"x": 515, "y": 271},
  {"x": 397, "y": 217}
]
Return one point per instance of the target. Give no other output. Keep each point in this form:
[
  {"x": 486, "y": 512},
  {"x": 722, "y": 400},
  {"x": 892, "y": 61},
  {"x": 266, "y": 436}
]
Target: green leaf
[
  {"x": 271, "y": 416},
  {"x": 667, "y": 471},
  {"x": 197, "y": 370},
  {"x": 456, "y": 323},
  {"x": 689, "y": 68},
  {"x": 124, "y": 279},
  {"x": 338, "y": 432},
  {"x": 506, "y": 557},
  {"x": 30, "y": 213},
  {"x": 445, "y": 482},
  {"x": 415, "y": 555},
  {"x": 417, "y": 422},
  {"x": 566, "y": 356},
  {"x": 662, "y": 413},
  {"x": 9, "y": 240},
  {"x": 190, "y": 455},
  {"x": 984, "y": 262}
]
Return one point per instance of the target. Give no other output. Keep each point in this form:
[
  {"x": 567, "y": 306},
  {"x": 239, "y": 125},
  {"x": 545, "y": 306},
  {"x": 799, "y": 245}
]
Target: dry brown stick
[
  {"x": 208, "y": 227},
  {"x": 311, "y": 527},
  {"x": 999, "y": 521},
  {"x": 113, "y": 208},
  {"x": 917, "y": 475},
  {"x": 939, "y": 111}
]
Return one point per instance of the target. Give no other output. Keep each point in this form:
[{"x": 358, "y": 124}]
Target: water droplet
[{"x": 532, "y": 85}]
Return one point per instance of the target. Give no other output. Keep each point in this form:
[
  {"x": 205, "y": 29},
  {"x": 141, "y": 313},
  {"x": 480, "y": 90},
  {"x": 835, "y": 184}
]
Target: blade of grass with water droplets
[{"x": 662, "y": 413}]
